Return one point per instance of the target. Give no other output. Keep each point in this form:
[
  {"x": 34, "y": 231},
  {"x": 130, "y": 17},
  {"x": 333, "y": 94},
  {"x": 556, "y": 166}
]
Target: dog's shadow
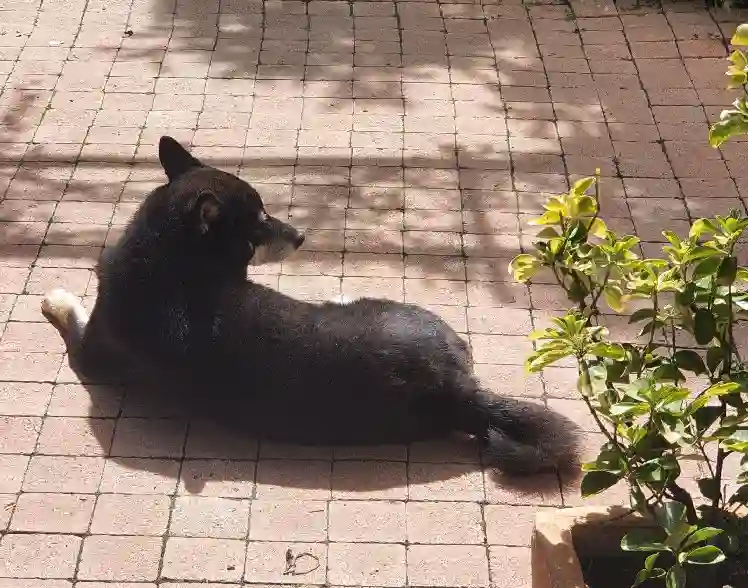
[{"x": 142, "y": 426}]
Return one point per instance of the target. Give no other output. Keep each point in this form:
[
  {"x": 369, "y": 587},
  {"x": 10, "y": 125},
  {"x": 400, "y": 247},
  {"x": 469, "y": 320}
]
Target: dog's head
[{"x": 224, "y": 213}]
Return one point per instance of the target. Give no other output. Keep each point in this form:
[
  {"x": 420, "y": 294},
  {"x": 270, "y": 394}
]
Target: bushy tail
[{"x": 519, "y": 437}]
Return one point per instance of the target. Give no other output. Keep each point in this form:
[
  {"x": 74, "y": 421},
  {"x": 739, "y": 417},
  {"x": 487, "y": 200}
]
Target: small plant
[
  {"x": 639, "y": 393},
  {"x": 679, "y": 392},
  {"x": 734, "y": 121}
]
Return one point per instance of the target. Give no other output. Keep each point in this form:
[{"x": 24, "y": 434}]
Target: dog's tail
[{"x": 519, "y": 437}]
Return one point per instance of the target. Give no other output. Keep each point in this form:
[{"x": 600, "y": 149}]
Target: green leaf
[
  {"x": 669, "y": 515},
  {"x": 738, "y": 59},
  {"x": 609, "y": 350},
  {"x": 614, "y": 297},
  {"x": 643, "y": 540},
  {"x": 728, "y": 270},
  {"x": 737, "y": 441},
  {"x": 722, "y": 388},
  {"x": 668, "y": 371},
  {"x": 598, "y": 228},
  {"x": 539, "y": 360},
  {"x": 703, "y": 534},
  {"x": 676, "y": 577},
  {"x": 686, "y": 296},
  {"x": 701, "y": 226},
  {"x": 706, "y": 267},
  {"x": 578, "y": 233},
  {"x": 706, "y": 555},
  {"x": 623, "y": 409},
  {"x": 731, "y": 123},
  {"x": 706, "y": 416},
  {"x": 702, "y": 252},
  {"x": 689, "y": 360},
  {"x": 638, "y": 501},
  {"x": 609, "y": 460},
  {"x": 714, "y": 357},
  {"x": 586, "y": 206},
  {"x": 596, "y": 481},
  {"x": 547, "y": 233},
  {"x": 740, "y": 496},
  {"x": 650, "y": 561},
  {"x": 524, "y": 267},
  {"x": 709, "y": 488},
  {"x": 641, "y": 577},
  {"x": 740, "y": 37},
  {"x": 547, "y": 218},
  {"x": 649, "y": 572},
  {"x": 705, "y": 327},
  {"x": 581, "y": 186},
  {"x": 652, "y": 471}
]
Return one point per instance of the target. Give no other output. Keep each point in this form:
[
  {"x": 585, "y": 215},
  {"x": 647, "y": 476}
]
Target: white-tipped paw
[{"x": 59, "y": 304}]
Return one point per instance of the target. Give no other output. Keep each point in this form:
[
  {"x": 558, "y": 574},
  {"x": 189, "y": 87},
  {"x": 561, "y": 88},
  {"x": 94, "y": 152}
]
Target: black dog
[{"x": 174, "y": 299}]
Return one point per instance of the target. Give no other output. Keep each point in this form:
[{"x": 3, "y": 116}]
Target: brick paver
[{"x": 412, "y": 139}]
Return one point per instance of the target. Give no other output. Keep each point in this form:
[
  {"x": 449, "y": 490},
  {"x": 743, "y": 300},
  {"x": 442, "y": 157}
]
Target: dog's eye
[{"x": 262, "y": 217}]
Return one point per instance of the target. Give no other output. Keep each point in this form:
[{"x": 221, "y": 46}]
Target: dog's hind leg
[{"x": 65, "y": 311}]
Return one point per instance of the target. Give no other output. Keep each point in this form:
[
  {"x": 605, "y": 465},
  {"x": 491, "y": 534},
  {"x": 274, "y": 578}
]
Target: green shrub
[{"x": 680, "y": 390}]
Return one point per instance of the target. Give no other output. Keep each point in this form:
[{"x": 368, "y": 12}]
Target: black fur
[{"x": 173, "y": 298}]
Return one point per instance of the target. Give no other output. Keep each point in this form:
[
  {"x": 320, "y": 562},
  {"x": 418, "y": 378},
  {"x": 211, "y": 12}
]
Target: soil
[{"x": 619, "y": 570}]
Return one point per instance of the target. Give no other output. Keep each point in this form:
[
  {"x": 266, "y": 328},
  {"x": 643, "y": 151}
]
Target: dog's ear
[
  {"x": 207, "y": 210},
  {"x": 174, "y": 158}
]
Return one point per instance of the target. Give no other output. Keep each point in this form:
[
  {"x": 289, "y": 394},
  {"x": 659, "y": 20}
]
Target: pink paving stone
[
  {"x": 140, "y": 476},
  {"x": 510, "y": 567},
  {"x": 266, "y": 562},
  {"x": 366, "y": 564},
  {"x": 197, "y": 516},
  {"x": 114, "y": 515},
  {"x": 229, "y": 479},
  {"x": 203, "y": 559},
  {"x": 18, "y": 583},
  {"x": 120, "y": 558},
  {"x": 18, "y": 398},
  {"x": 459, "y": 565},
  {"x": 444, "y": 523},
  {"x": 288, "y": 520},
  {"x": 356, "y": 521},
  {"x": 52, "y": 513},
  {"x": 12, "y": 469},
  {"x": 38, "y": 556},
  {"x": 19, "y": 434},
  {"x": 459, "y": 482}
]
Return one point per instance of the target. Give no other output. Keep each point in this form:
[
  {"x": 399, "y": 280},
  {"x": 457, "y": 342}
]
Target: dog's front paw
[{"x": 58, "y": 304}]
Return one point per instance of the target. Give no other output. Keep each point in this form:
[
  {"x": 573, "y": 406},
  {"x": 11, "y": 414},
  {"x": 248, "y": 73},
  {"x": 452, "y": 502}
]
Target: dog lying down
[{"x": 174, "y": 300}]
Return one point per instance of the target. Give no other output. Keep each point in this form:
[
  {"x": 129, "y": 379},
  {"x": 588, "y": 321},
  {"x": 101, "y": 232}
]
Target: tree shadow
[
  {"x": 386, "y": 207},
  {"x": 396, "y": 69},
  {"x": 145, "y": 426}
]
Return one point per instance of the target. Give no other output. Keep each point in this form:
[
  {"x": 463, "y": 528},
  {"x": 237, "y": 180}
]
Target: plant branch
[
  {"x": 596, "y": 297},
  {"x": 681, "y": 495},
  {"x": 612, "y": 438},
  {"x": 655, "y": 308},
  {"x": 700, "y": 445}
]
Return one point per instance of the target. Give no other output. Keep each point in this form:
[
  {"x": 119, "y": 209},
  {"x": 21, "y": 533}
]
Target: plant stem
[
  {"x": 655, "y": 308},
  {"x": 718, "y": 465},
  {"x": 599, "y": 293},
  {"x": 632, "y": 481},
  {"x": 700, "y": 445},
  {"x": 726, "y": 371},
  {"x": 681, "y": 495}
]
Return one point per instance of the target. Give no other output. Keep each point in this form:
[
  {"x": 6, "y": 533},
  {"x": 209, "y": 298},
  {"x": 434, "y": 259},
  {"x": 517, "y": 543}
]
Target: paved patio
[{"x": 412, "y": 139}]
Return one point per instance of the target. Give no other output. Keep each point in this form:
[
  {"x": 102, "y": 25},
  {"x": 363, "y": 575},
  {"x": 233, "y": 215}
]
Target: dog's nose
[{"x": 299, "y": 240}]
